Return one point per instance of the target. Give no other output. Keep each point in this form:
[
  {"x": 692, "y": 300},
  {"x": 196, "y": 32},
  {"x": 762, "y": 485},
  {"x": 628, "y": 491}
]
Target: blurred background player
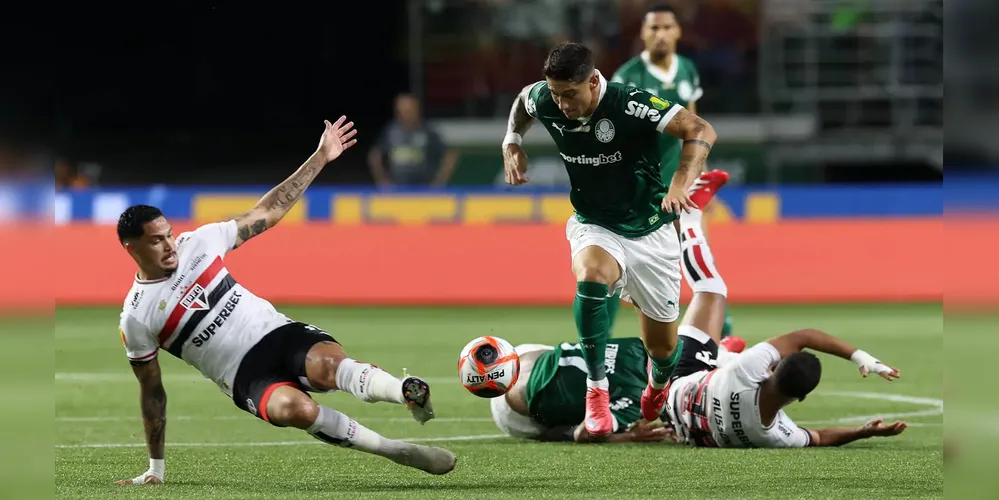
[
  {"x": 661, "y": 71},
  {"x": 547, "y": 405},
  {"x": 409, "y": 151},
  {"x": 620, "y": 235},
  {"x": 186, "y": 302}
]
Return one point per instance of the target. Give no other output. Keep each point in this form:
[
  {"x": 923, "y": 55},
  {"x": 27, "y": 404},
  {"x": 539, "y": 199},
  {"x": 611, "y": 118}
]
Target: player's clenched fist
[{"x": 514, "y": 165}]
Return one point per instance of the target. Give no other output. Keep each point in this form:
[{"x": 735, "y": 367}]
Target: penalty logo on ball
[{"x": 488, "y": 366}]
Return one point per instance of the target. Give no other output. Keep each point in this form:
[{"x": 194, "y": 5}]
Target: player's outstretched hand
[
  {"x": 337, "y": 138},
  {"x": 869, "y": 364},
  {"x": 644, "y": 431},
  {"x": 677, "y": 199},
  {"x": 144, "y": 479},
  {"x": 514, "y": 165},
  {"x": 876, "y": 428}
]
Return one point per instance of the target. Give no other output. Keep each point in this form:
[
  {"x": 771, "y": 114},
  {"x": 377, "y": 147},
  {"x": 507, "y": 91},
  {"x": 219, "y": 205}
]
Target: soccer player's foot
[
  {"x": 733, "y": 344},
  {"x": 426, "y": 458},
  {"x": 706, "y": 185},
  {"x": 416, "y": 393},
  {"x": 653, "y": 400},
  {"x": 598, "y": 421}
]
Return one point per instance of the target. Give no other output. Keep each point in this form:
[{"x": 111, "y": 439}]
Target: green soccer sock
[
  {"x": 613, "y": 304},
  {"x": 592, "y": 323},
  {"x": 727, "y": 327},
  {"x": 662, "y": 368}
]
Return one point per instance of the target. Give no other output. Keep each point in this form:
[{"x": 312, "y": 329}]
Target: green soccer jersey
[
  {"x": 556, "y": 388},
  {"x": 680, "y": 84},
  {"x": 612, "y": 156}
]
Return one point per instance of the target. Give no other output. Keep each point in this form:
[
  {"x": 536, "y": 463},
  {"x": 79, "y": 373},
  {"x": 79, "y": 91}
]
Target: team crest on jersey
[
  {"x": 604, "y": 130},
  {"x": 162, "y": 306},
  {"x": 658, "y": 103},
  {"x": 195, "y": 298}
]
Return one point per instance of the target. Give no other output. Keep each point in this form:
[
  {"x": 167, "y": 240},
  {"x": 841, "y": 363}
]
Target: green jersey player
[
  {"x": 661, "y": 71},
  {"x": 546, "y": 405},
  {"x": 620, "y": 239}
]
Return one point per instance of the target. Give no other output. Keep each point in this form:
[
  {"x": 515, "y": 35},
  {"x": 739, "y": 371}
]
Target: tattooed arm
[
  {"x": 153, "y": 399},
  {"x": 278, "y": 201},
  {"x": 698, "y": 137}
]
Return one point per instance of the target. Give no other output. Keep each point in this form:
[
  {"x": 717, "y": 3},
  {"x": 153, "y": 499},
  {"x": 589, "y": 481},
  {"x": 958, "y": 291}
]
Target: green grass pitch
[{"x": 216, "y": 451}]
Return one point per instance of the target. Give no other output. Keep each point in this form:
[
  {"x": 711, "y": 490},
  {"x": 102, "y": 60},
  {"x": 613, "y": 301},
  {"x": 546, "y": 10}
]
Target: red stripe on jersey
[
  {"x": 179, "y": 310},
  {"x": 690, "y": 233},
  {"x": 699, "y": 258}
]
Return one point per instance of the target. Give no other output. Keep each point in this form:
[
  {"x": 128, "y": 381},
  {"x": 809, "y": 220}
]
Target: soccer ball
[{"x": 488, "y": 367}]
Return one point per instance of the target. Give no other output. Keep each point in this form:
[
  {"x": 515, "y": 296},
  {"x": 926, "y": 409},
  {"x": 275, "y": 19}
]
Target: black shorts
[
  {"x": 696, "y": 356},
  {"x": 277, "y": 360}
]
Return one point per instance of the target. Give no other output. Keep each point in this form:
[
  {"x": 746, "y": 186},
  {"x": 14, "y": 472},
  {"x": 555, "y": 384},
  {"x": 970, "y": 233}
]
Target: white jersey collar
[{"x": 664, "y": 76}]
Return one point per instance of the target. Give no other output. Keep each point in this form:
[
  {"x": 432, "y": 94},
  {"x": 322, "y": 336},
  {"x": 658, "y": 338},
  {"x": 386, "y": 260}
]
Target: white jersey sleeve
[
  {"x": 752, "y": 367},
  {"x": 220, "y": 236},
  {"x": 784, "y": 433},
  {"x": 140, "y": 343}
]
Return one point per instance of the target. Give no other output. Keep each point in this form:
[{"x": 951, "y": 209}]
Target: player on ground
[
  {"x": 546, "y": 405},
  {"x": 660, "y": 71},
  {"x": 620, "y": 236},
  {"x": 741, "y": 404},
  {"x": 185, "y": 302}
]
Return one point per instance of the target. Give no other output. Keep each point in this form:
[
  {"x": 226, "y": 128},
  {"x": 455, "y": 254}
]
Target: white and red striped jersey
[
  {"x": 720, "y": 408},
  {"x": 199, "y": 313}
]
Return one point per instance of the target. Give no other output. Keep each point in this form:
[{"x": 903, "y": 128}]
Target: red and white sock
[{"x": 698, "y": 262}]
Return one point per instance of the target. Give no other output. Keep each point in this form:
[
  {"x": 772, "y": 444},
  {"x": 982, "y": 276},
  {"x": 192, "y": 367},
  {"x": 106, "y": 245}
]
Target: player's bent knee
[
  {"x": 290, "y": 407},
  {"x": 322, "y": 363}
]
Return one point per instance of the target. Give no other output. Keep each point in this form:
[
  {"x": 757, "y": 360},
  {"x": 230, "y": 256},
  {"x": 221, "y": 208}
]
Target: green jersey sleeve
[
  {"x": 535, "y": 98},
  {"x": 695, "y": 78},
  {"x": 648, "y": 111}
]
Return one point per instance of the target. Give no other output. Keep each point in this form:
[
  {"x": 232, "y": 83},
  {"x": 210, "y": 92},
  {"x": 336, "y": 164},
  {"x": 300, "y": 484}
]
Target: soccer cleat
[
  {"x": 653, "y": 401},
  {"x": 706, "y": 185},
  {"x": 416, "y": 393},
  {"x": 426, "y": 458},
  {"x": 598, "y": 421},
  {"x": 733, "y": 344}
]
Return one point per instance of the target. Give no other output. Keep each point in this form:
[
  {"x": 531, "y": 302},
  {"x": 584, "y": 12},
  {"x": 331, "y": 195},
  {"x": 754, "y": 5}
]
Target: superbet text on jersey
[
  {"x": 199, "y": 314},
  {"x": 719, "y": 408}
]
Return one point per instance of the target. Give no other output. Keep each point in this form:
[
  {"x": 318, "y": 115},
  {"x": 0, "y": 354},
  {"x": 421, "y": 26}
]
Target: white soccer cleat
[
  {"x": 426, "y": 458},
  {"x": 416, "y": 393}
]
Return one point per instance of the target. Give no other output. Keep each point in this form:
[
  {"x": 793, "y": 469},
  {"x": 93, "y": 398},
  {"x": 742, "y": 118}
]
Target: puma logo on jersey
[
  {"x": 642, "y": 111},
  {"x": 562, "y": 128},
  {"x": 195, "y": 298}
]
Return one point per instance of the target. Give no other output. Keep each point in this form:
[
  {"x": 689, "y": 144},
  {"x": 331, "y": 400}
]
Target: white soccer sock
[
  {"x": 367, "y": 382},
  {"x": 338, "y": 429},
  {"x": 597, "y": 384},
  {"x": 698, "y": 263}
]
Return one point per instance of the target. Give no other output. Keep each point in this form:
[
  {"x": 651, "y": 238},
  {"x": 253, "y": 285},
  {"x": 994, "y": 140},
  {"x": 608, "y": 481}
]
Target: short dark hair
[
  {"x": 797, "y": 375},
  {"x": 661, "y": 8},
  {"x": 572, "y": 62},
  {"x": 131, "y": 222}
]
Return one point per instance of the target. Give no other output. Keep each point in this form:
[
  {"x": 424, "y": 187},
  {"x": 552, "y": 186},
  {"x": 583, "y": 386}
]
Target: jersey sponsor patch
[
  {"x": 658, "y": 103},
  {"x": 642, "y": 111}
]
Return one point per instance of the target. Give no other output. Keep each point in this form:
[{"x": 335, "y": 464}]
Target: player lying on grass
[
  {"x": 621, "y": 236},
  {"x": 185, "y": 302},
  {"x": 717, "y": 394}
]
